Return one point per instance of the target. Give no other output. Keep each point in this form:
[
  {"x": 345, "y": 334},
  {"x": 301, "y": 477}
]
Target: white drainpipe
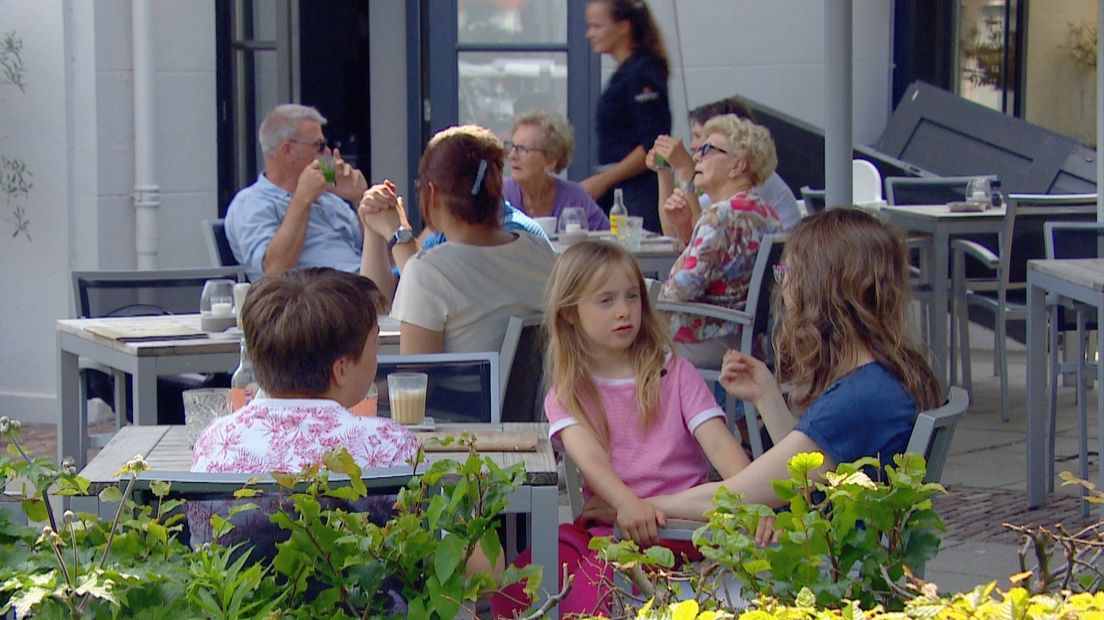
[{"x": 147, "y": 194}]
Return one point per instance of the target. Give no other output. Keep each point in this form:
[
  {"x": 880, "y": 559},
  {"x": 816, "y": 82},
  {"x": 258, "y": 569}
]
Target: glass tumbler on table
[{"x": 573, "y": 221}]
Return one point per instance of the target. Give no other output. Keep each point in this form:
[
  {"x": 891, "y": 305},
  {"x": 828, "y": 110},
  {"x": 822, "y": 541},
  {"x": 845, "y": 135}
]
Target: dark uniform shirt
[{"x": 632, "y": 112}]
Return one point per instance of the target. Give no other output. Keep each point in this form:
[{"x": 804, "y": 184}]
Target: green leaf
[
  {"x": 449, "y": 554},
  {"x": 35, "y": 509},
  {"x": 157, "y": 532},
  {"x": 111, "y": 495},
  {"x": 804, "y": 462},
  {"x": 160, "y": 488}
]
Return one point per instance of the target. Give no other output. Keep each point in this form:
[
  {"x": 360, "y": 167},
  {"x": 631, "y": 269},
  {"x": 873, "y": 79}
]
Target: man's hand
[
  {"x": 350, "y": 182},
  {"x": 381, "y": 210},
  {"x": 311, "y": 184},
  {"x": 640, "y": 521}
]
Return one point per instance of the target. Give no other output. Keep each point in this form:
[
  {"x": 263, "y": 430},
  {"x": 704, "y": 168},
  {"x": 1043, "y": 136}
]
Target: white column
[
  {"x": 837, "y": 101},
  {"x": 147, "y": 194}
]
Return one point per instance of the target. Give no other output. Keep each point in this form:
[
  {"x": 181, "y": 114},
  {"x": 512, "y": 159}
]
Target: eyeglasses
[
  {"x": 708, "y": 148},
  {"x": 319, "y": 144},
  {"x": 522, "y": 150},
  {"x": 780, "y": 271}
]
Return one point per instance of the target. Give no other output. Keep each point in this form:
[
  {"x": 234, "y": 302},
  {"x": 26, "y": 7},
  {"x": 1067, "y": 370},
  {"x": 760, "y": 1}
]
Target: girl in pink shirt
[{"x": 636, "y": 419}]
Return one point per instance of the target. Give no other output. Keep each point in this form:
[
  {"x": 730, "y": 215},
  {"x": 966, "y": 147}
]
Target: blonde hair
[
  {"x": 847, "y": 287},
  {"x": 558, "y": 136},
  {"x": 582, "y": 268},
  {"x": 748, "y": 141}
]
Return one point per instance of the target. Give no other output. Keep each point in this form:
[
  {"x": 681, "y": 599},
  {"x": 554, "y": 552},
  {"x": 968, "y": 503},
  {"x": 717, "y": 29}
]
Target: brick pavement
[{"x": 976, "y": 515}]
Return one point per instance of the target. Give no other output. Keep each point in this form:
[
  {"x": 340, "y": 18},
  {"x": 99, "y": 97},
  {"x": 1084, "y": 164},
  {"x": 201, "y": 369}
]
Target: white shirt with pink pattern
[{"x": 286, "y": 435}]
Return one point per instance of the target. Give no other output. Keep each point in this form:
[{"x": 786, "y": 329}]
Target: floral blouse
[
  {"x": 286, "y": 435},
  {"x": 715, "y": 268}
]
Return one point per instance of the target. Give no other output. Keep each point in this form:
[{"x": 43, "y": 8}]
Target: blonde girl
[{"x": 636, "y": 419}]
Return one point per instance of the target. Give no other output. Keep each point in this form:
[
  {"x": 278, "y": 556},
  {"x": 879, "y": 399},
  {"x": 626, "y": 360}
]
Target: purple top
[{"x": 568, "y": 194}]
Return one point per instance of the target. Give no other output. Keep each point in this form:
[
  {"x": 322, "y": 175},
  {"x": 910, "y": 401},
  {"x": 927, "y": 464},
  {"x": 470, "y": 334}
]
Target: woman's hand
[
  {"x": 640, "y": 521},
  {"x": 673, "y": 150},
  {"x": 745, "y": 377},
  {"x": 381, "y": 209},
  {"x": 765, "y": 533},
  {"x": 677, "y": 208},
  {"x": 598, "y": 510}
]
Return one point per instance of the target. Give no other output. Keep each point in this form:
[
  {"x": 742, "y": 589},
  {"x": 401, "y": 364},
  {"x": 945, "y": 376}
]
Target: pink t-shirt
[
  {"x": 274, "y": 434},
  {"x": 667, "y": 458}
]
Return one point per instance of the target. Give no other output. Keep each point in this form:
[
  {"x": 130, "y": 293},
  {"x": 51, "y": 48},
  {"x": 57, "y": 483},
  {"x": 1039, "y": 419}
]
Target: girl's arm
[
  {"x": 637, "y": 519},
  {"x": 749, "y": 379},
  {"x": 415, "y": 339},
  {"x": 725, "y": 454},
  {"x": 753, "y": 483}
]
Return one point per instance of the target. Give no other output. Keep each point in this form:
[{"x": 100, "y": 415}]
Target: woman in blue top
[
  {"x": 842, "y": 339},
  {"x": 633, "y": 110}
]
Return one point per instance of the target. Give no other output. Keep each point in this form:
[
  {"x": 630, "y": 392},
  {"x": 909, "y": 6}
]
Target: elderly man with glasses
[{"x": 293, "y": 216}]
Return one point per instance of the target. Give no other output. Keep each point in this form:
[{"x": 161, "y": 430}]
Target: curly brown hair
[{"x": 847, "y": 288}]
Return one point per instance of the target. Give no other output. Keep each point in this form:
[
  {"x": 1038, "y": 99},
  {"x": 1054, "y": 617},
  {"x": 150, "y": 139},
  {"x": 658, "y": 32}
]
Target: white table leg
[
  {"x": 940, "y": 285},
  {"x": 145, "y": 392},
  {"x": 72, "y": 422},
  {"x": 545, "y": 538},
  {"x": 1036, "y": 389}
]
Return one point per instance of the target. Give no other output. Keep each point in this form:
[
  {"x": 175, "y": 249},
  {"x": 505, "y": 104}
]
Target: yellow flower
[{"x": 686, "y": 610}]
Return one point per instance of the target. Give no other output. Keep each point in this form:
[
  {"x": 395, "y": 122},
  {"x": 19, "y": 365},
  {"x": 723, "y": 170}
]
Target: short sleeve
[
  {"x": 695, "y": 400},
  {"x": 558, "y": 416},
  {"x": 421, "y": 296},
  {"x": 250, "y": 226},
  {"x": 703, "y": 260},
  {"x": 650, "y": 108}
]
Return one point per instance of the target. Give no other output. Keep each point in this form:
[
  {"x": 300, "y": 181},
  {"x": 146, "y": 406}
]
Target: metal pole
[
  {"x": 837, "y": 98},
  {"x": 1099, "y": 115},
  {"x": 147, "y": 194}
]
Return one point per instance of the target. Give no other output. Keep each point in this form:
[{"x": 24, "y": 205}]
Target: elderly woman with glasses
[
  {"x": 539, "y": 149},
  {"x": 715, "y": 267}
]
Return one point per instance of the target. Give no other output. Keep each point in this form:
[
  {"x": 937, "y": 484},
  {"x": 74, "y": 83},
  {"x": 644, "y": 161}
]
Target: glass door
[{"x": 491, "y": 59}]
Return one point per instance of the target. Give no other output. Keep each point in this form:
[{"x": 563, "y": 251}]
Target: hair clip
[{"x": 479, "y": 177}]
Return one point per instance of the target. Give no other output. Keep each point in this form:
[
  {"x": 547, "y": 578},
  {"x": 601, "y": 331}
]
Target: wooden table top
[
  {"x": 166, "y": 449},
  {"x": 179, "y": 323},
  {"x": 1086, "y": 272}
]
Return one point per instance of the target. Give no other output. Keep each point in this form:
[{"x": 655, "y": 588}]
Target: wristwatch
[{"x": 402, "y": 235}]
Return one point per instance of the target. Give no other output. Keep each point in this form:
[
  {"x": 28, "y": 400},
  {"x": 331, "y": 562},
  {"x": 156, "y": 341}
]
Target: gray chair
[
  {"x": 992, "y": 293},
  {"x": 754, "y": 319},
  {"x": 815, "y": 199},
  {"x": 1071, "y": 240},
  {"x": 113, "y": 293},
  {"x": 464, "y": 387},
  {"x": 218, "y": 246},
  {"x": 523, "y": 385}
]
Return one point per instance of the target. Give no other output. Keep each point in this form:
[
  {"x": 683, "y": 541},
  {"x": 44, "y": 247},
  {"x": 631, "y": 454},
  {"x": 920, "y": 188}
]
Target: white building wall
[
  {"x": 772, "y": 51},
  {"x": 74, "y": 127}
]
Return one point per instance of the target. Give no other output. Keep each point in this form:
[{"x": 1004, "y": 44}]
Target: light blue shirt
[
  {"x": 513, "y": 220},
  {"x": 334, "y": 238}
]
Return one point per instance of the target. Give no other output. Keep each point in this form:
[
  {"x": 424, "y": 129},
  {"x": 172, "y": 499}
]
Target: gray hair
[
  {"x": 282, "y": 123},
  {"x": 559, "y": 138},
  {"x": 749, "y": 141}
]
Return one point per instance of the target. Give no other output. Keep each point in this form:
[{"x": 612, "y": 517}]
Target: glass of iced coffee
[{"x": 407, "y": 395}]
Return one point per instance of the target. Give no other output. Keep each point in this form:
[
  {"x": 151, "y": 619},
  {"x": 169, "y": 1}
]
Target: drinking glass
[
  {"x": 573, "y": 221},
  {"x": 217, "y": 299},
  {"x": 201, "y": 406},
  {"x": 631, "y": 232},
  {"x": 406, "y": 392},
  {"x": 978, "y": 191}
]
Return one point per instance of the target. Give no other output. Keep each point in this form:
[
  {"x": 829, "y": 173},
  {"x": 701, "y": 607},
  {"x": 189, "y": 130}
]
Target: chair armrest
[
  {"x": 676, "y": 529},
  {"x": 976, "y": 250},
  {"x": 706, "y": 310}
]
